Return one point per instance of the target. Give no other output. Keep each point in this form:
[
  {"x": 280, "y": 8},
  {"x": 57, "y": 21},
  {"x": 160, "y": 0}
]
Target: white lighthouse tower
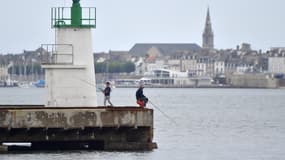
[{"x": 70, "y": 75}]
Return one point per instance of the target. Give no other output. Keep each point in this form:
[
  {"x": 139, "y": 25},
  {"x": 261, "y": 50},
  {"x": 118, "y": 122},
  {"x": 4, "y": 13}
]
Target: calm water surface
[{"x": 213, "y": 124}]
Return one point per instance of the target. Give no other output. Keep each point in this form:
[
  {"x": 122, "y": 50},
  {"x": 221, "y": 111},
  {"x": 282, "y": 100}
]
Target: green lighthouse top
[{"x": 74, "y": 17}]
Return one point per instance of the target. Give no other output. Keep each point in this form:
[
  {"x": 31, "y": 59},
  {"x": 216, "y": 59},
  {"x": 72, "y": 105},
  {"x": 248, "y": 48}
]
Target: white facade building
[
  {"x": 276, "y": 64},
  {"x": 169, "y": 77},
  {"x": 242, "y": 68},
  {"x": 158, "y": 64},
  {"x": 3, "y": 72},
  {"x": 201, "y": 69},
  {"x": 219, "y": 67},
  {"x": 141, "y": 66},
  {"x": 205, "y": 67},
  {"x": 174, "y": 64},
  {"x": 189, "y": 65}
]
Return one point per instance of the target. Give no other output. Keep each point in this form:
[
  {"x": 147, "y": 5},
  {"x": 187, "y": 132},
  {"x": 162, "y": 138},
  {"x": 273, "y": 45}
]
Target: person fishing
[
  {"x": 141, "y": 98},
  {"x": 107, "y": 93}
]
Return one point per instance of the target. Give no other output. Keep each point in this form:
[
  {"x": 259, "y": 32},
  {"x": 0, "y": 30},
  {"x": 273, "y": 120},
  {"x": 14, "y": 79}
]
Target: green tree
[{"x": 114, "y": 67}]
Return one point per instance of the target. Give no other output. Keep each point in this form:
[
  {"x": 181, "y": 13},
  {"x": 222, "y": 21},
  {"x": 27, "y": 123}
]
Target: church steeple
[{"x": 208, "y": 35}]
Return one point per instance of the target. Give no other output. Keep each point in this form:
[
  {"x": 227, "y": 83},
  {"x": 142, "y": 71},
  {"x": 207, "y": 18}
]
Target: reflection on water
[{"x": 222, "y": 124}]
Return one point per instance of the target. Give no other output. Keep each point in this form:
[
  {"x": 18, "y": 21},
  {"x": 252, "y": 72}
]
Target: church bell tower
[{"x": 208, "y": 35}]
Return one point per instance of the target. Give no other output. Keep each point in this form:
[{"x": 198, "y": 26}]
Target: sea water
[{"x": 201, "y": 124}]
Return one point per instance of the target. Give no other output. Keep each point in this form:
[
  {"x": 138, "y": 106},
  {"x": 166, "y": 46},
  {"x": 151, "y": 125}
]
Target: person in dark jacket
[
  {"x": 141, "y": 98},
  {"x": 107, "y": 93}
]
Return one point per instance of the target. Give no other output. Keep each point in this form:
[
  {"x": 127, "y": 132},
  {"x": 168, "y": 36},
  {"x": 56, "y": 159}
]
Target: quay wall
[
  {"x": 106, "y": 128},
  {"x": 253, "y": 81}
]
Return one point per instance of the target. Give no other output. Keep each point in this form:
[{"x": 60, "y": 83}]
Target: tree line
[
  {"x": 103, "y": 67},
  {"x": 114, "y": 67},
  {"x": 20, "y": 69}
]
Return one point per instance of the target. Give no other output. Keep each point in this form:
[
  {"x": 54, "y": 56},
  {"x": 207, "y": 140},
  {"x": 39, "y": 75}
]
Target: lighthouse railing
[
  {"x": 58, "y": 54},
  {"x": 61, "y": 17}
]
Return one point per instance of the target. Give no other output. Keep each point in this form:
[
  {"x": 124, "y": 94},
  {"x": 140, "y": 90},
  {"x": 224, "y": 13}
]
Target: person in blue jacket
[{"x": 141, "y": 98}]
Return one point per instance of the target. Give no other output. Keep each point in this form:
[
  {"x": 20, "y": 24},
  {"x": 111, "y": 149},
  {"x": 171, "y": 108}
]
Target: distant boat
[
  {"x": 126, "y": 82},
  {"x": 40, "y": 84},
  {"x": 26, "y": 85},
  {"x": 279, "y": 75}
]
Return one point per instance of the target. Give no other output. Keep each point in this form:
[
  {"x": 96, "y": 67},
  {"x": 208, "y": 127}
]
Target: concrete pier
[
  {"x": 96, "y": 128},
  {"x": 3, "y": 149}
]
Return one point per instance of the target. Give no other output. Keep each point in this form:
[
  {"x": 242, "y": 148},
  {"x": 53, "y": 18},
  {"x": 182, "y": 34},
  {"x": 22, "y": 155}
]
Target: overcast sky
[{"x": 25, "y": 24}]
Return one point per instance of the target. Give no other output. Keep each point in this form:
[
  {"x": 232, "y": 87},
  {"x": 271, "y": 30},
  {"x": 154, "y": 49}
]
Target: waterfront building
[
  {"x": 163, "y": 49},
  {"x": 141, "y": 66},
  {"x": 245, "y": 47},
  {"x": 205, "y": 66},
  {"x": 230, "y": 66},
  {"x": 119, "y": 55},
  {"x": 244, "y": 68},
  {"x": 3, "y": 73},
  {"x": 219, "y": 67},
  {"x": 174, "y": 64},
  {"x": 189, "y": 65},
  {"x": 158, "y": 64},
  {"x": 153, "y": 53},
  {"x": 168, "y": 77},
  {"x": 276, "y": 61}
]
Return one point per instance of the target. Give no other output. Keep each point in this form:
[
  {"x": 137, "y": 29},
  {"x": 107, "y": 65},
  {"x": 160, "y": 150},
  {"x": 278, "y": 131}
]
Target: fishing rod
[
  {"x": 89, "y": 83},
  {"x": 168, "y": 117},
  {"x": 155, "y": 106}
]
